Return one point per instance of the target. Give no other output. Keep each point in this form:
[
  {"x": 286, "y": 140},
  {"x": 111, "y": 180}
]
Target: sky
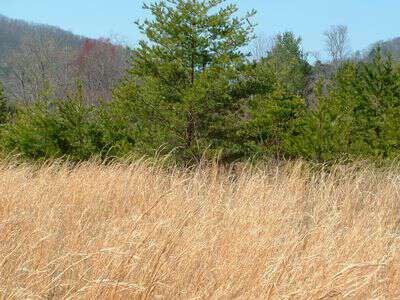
[{"x": 368, "y": 20}]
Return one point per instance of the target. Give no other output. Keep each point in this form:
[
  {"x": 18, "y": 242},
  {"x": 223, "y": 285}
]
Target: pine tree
[
  {"x": 4, "y": 110},
  {"x": 184, "y": 70},
  {"x": 327, "y": 132},
  {"x": 289, "y": 63},
  {"x": 378, "y": 109},
  {"x": 358, "y": 115}
]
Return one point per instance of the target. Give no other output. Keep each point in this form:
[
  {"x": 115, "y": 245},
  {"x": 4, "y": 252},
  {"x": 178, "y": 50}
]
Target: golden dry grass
[{"x": 141, "y": 232}]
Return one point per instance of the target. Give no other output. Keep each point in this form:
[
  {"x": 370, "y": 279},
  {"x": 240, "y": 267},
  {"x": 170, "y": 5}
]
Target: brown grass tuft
[{"x": 136, "y": 231}]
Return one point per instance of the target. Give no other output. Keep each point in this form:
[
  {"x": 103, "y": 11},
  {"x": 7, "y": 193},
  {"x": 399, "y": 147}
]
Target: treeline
[{"x": 192, "y": 91}]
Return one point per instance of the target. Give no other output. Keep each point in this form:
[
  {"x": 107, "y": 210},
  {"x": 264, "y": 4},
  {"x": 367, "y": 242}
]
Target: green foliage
[
  {"x": 358, "y": 116},
  {"x": 326, "y": 131},
  {"x": 182, "y": 75},
  {"x": 4, "y": 108},
  {"x": 289, "y": 63},
  {"x": 192, "y": 91},
  {"x": 51, "y": 129},
  {"x": 378, "y": 107},
  {"x": 273, "y": 122}
]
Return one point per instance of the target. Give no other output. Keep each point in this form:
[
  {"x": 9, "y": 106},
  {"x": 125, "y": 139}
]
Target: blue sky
[{"x": 368, "y": 20}]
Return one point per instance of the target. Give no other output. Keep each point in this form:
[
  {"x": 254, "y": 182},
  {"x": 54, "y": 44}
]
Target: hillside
[
  {"x": 390, "y": 46},
  {"x": 12, "y": 33},
  {"x": 36, "y": 56}
]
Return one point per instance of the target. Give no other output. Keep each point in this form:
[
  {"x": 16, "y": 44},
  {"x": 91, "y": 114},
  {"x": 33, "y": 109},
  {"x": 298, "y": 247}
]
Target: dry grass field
[{"x": 141, "y": 232}]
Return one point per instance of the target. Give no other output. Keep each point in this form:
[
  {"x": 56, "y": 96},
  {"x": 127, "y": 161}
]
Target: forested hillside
[
  {"x": 201, "y": 84},
  {"x": 391, "y": 47},
  {"x": 13, "y": 32},
  {"x": 35, "y": 58}
]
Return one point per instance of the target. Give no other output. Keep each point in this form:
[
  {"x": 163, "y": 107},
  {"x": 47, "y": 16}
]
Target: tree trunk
[{"x": 189, "y": 128}]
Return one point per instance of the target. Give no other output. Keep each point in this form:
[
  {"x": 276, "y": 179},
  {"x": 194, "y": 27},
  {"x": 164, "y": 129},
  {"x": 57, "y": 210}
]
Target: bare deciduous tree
[
  {"x": 262, "y": 46},
  {"x": 337, "y": 43},
  {"x": 38, "y": 63},
  {"x": 35, "y": 59},
  {"x": 100, "y": 64}
]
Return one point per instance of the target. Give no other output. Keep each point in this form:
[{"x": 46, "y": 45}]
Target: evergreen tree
[
  {"x": 327, "y": 131},
  {"x": 54, "y": 128},
  {"x": 271, "y": 116},
  {"x": 185, "y": 70},
  {"x": 358, "y": 116},
  {"x": 289, "y": 63},
  {"x": 4, "y": 110},
  {"x": 378, "y": 107}
]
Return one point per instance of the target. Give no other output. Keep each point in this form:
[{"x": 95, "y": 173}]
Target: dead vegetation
[{"x": 138, "y": 231}]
